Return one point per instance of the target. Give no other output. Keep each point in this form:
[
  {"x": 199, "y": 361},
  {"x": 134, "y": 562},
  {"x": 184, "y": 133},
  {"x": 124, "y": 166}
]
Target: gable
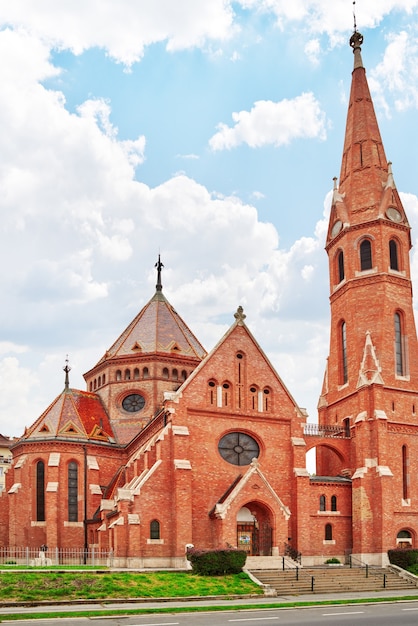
[{"x": 238, "y": 377}]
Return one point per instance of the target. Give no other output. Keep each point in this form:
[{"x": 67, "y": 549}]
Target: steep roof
[
  {"x": 157, "y": 328},
  {"x": 367, "y": 189},
  {"x": 73, "y": 415}
]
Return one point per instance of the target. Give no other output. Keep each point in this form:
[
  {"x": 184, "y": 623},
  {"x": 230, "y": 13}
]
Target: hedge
[
  {"x": 217, "y": 562},
  {"x": 403, "y": 557}
]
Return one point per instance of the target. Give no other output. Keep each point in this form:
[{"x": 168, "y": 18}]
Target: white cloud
[
  {"x": 124, "y": 28},
  {"x": 276, "y": 123},
  {"x": 396, "y": 76}
]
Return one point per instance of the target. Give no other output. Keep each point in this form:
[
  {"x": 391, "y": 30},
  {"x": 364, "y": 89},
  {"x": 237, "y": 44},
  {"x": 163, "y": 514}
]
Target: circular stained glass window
[
  {"x": 238, "y": 448},
  {"x": 133, "y": 403}
]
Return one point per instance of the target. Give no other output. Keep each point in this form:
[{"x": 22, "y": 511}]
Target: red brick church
[{"x": 170, "y": 446}]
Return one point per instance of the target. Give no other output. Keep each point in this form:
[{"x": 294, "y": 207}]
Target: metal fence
[{"x": 47, "y": 557}]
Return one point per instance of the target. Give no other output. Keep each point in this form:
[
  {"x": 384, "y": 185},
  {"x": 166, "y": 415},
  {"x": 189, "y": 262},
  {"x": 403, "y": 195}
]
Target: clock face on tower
[
  {"x": 393, "y": 214},
  {"x": 133, "y": 403},
  {"x": 336, "y": 228}
]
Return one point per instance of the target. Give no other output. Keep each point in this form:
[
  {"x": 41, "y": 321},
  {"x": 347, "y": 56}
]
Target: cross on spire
[
  {"x": 159, "y": 266},
  {"x": 67, "y": 370}
]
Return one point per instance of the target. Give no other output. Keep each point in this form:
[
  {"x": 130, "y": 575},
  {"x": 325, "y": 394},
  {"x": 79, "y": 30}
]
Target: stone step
[{"x": 332, "y": 580}]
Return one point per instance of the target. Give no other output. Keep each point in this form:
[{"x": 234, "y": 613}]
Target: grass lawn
[{"x": 61, "y": 585}]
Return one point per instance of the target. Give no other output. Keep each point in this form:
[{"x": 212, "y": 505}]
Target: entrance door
[{"x": 256, "y": 541}]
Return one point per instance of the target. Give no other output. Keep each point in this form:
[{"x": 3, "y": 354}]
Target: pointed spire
[
  {"x": 159, "y": 266},
  {"x": 67, "y": 370},
  {"x": 364, "y": 166}
]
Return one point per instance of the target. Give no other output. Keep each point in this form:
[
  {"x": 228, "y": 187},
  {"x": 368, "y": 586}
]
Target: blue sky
[{"x": 207, "y": 131}]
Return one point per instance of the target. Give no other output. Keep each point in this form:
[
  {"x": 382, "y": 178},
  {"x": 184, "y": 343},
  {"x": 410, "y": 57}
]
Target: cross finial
[
  {"x": 159, "y": 266},
  {"x": 67, "y": 370},
  {"x": 354, "y": 15}
]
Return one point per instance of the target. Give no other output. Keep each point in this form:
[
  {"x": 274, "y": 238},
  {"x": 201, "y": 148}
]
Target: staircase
[{"x": 334, "y": 580}]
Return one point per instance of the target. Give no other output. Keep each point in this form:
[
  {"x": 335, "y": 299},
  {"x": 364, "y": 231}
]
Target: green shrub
[
  {"x": 403, "y": 557},
  {"x": 217, "y": 562},
  {"x": 332, "y": 560}
]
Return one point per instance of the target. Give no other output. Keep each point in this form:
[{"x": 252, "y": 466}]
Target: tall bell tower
[{"x": 370, "y": 386}]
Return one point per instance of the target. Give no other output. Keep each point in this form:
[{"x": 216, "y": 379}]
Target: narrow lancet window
[
  {"x": 340, "y": 260},
  {"x": 399, "y": 352},
  {"x": 344, "y": 368},
  {"x": 393, "y": 255},
  {"x": 366, "y": 255}
]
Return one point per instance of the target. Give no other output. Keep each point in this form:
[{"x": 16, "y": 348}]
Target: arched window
[
  {"x": 340, "y": 262},
  {"x": 322, "y": 503},
  {"x": 183, "y": 374},
  {"x": 154, "y": 529},
  {"x": 266, "y": 399},
  {"x": 104, "y": 379},
  {"x": 399, "y": 346},
  {"x": 175, "y": 374},
  {"x": 145, "y": 372},
  {"x": 212, "y": 392},
  {"x": 40, "y": 491},
  {"x": 118, "y": 375},
  {"x": 393, "y": 255},
  {"x": 72, "y": 491},
  {"x": 165, "y": 372},
  {"x": 127, "y": 374},
  {"x": 405, "y": 473},
  {"x": 366, "y": 255},
  {"x": 343, "y": 347},
  {"x": 333, "y": 503},
  {"x": 253, "y": 397},
  {"x": 328, "y": 532},
  {"x": 136, "y": 374},
  {"x": 99, "y": 383},
  {"x": 225, "y": 394}
]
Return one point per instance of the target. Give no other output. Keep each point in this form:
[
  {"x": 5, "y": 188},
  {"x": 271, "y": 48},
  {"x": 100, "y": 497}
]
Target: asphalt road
[{"x": 384, "y": 614}]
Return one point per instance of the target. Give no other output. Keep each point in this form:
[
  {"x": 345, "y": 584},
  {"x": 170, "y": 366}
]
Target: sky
[{"x": 208, "y": 132}]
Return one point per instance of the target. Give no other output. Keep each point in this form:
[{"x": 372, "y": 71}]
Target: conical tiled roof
[
  {"x": 73, "y": 415},
  {"x": 157, "y": 328}
]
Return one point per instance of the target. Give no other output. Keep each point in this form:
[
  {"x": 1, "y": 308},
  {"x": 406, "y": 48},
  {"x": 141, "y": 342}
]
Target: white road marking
[{"x": 345, "y": 613}]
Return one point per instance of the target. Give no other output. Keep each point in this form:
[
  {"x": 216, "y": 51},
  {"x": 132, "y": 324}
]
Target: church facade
[{"x": 170, "y": 446}]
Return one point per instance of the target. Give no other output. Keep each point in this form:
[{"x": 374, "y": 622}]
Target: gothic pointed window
[
  {"x": 405, "y": 473},
  {"x": 72, "y": 492},
  {"x": 343, "y": 352},
  {"x": 366, "y": 255},
  {"x": 333, "y": 503},
  {"x": 399, "y": 346},
  {"x": 40, "y": 491},
  {"x": 322, "y": 503},
  {"x": 393, "y": 255},
  {"x": 340, "y": 262},
  {"x": 154, "y": 529},
  {"x": 328, "y": 532}
]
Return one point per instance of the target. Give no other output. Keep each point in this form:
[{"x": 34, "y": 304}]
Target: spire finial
[
  {"x": 67, "y": 370},
  {"x": 159, "y": 266},
  {"x": 356, "y": 40}
]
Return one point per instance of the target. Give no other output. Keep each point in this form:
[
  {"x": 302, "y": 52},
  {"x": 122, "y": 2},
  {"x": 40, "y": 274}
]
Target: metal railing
[
  {"x": 52, "y": 557},
  {"x": 326, "y": 431},
  {"x": 291, "y": 552}
]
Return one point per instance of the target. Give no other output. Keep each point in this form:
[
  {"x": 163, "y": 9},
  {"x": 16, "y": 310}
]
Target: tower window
[
  {"x": 333, "y": 503},
  {"x": 343, "y": 340},
  {"x": 405, "y": 473},
  {"x": 322, "y": 503},
  {"x": 399, "y": 346},
  {"x": 165, "y": 372},
  {"x": 340, "y": 261},
  {"x": 393, "y": 255},
  {"x": 365, "y": 255}
]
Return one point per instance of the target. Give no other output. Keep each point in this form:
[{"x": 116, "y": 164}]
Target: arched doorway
[{"x": 254, "y": 530}]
